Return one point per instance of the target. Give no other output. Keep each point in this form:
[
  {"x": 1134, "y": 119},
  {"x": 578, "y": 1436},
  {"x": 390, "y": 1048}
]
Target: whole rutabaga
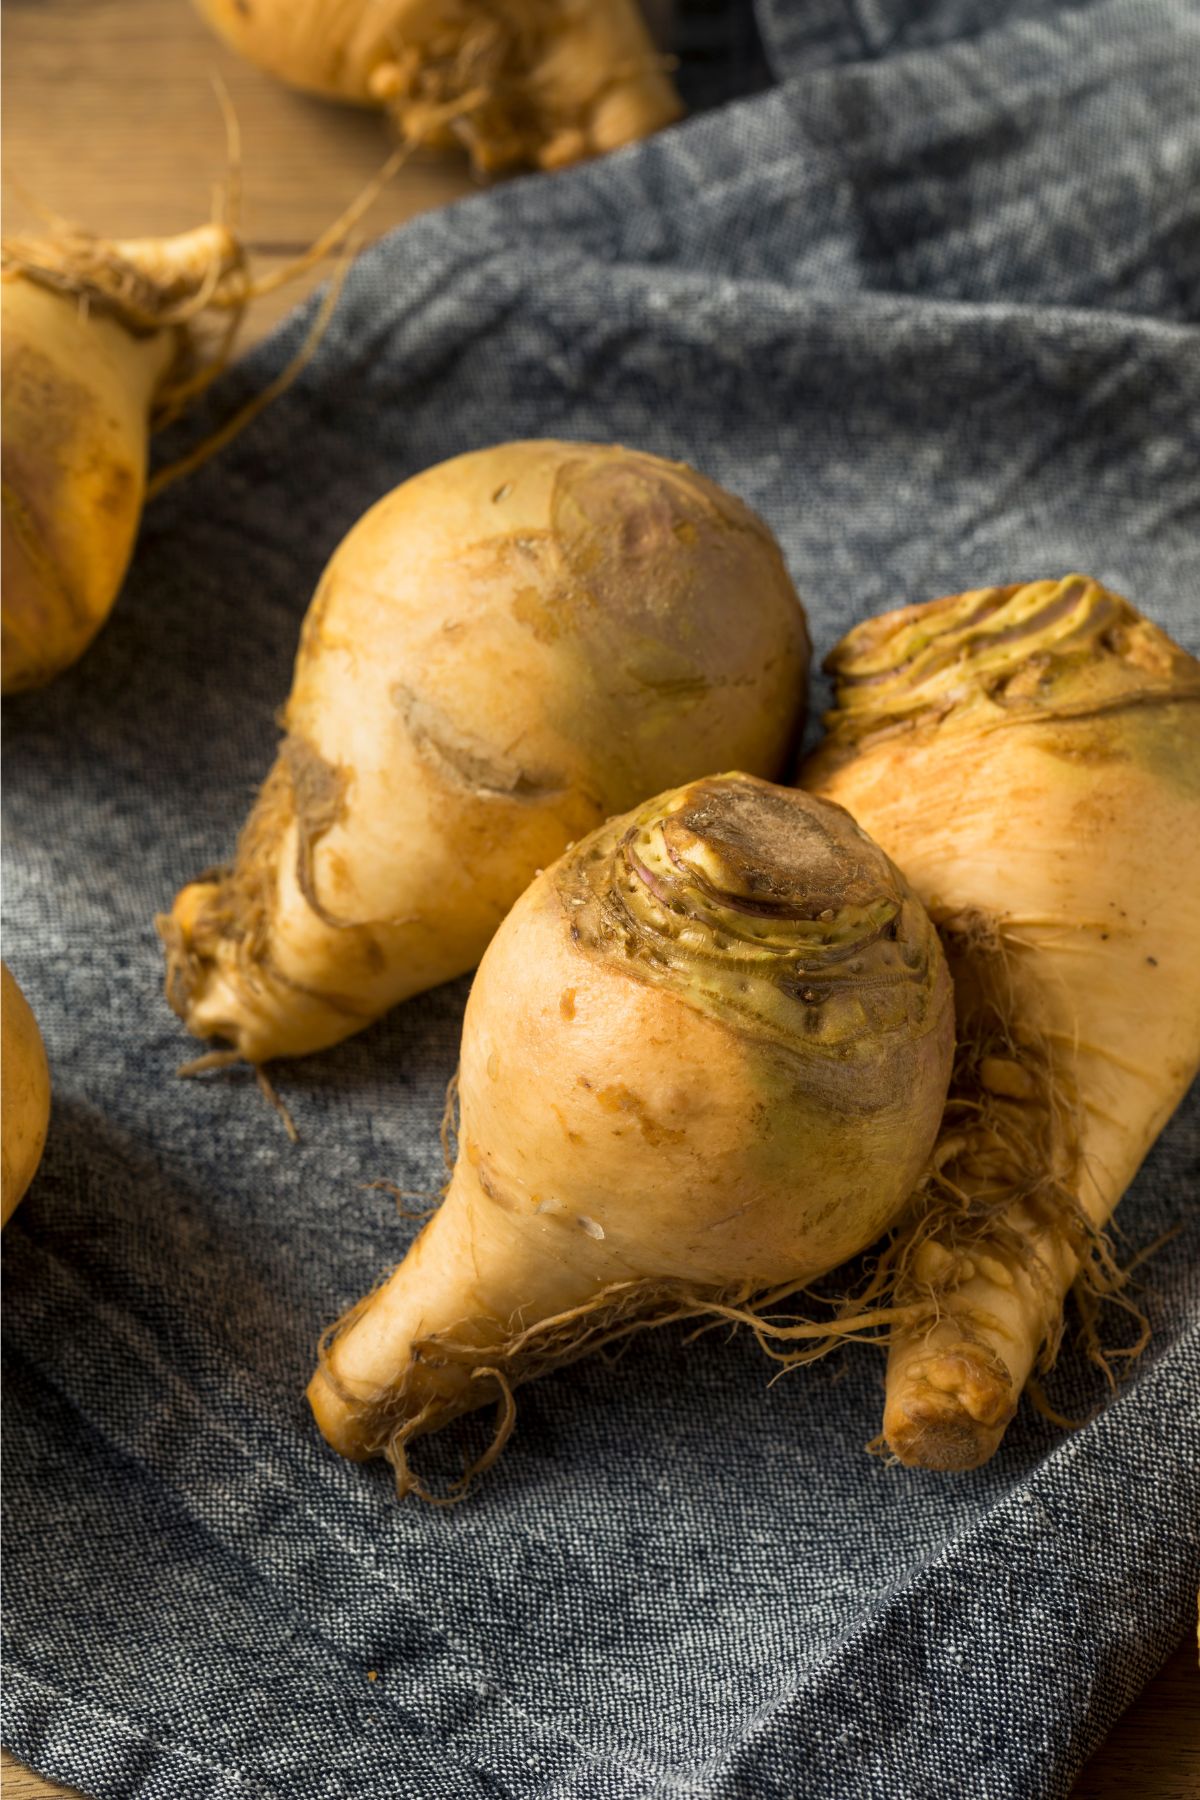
[
  {"x": 703, "y": 1062},
  {"x": 503, "y": 652},
  {"x": 1030, "y": 756}
]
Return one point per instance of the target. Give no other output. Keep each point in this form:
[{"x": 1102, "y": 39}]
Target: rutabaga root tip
[
  {"x": 382, "y": 1423},
  {"x": 951, "y": 1409},
  {"x": 184, "y": 972},
  {"x": 220, "y": 919},
  {"x": 998, "y": 1214}
]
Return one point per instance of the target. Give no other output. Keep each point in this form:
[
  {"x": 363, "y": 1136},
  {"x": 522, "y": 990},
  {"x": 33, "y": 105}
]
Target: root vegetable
[
  {"x": 96, "y": 340},
  {"x": 540, "y": 82},
  {"x": 24, "y": 1095},
  {"x": 703, "y": 1059},
  {"x": 102, "y": 343},
  {"x": 503, "y": 652},
  {"x": 1030, "y": 757}
]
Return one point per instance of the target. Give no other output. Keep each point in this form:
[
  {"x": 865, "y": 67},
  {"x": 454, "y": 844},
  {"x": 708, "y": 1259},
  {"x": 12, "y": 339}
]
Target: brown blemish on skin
[
  {"x": 463, "y": 761},
  {"x": 647, "y": 547},
  {"x": 65, "y": 411},
  {"x": 57, "y": 435},
  {"x": 488, "y": 1187},
  {"x": 572, "y": 1137},
  {"x": 530, "y": 608},
  {"x": 119, "y": 492},
  {"x": 737, "y": 1213},
  {"x": 318, "y": 793},
  {"x": 237, "y": 908},
  {"x": 620, "y": 1099},
  {"x": 774, "y": 855},
  {"x": 566, "y": 1003},
  {"x": 36, "y": 593}
]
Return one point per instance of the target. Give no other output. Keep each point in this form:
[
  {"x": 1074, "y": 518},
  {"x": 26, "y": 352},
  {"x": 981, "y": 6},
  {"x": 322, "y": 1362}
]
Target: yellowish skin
[
  {"x": 505, "y": 651},
  {"x": 705, "y": 1056},
  {"x": 77, "y": 393},
  {"x": 541, "y": 82},
  {"x": 91, "y": 331},
  {"x": 24, "y": 1095},
  {"x": 1031, "y": 758}
]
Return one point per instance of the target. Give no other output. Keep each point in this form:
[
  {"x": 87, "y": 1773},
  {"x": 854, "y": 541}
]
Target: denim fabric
[{"x": 929, "y": 305}]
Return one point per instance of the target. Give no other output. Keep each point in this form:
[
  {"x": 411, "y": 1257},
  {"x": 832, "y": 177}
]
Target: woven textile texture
[{"x": 928, "y": 303}]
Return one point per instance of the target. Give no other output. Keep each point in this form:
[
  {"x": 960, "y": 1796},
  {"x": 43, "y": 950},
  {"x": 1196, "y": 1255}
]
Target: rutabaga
[
  {"x": 1030, "y": 757},
  {"x": 703, "y": 1062},
  {"x": 502, "y": 653}
]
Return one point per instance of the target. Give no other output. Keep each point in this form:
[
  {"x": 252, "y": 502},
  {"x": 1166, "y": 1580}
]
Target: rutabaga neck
[
  {"x": 200, "y": 262},
  {"x": 483, "y": 1270}
]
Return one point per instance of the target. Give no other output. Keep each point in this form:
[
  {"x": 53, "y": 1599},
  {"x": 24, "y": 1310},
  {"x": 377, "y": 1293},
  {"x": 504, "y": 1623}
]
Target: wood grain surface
[{"x": 111, "y": 119}]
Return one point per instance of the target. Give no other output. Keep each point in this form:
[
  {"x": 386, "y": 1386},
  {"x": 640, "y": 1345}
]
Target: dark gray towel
[{"x": 928, "y": 304}]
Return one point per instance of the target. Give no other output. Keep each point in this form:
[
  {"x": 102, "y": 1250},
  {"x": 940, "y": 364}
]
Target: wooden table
[{"x": 111, "y": 119}]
